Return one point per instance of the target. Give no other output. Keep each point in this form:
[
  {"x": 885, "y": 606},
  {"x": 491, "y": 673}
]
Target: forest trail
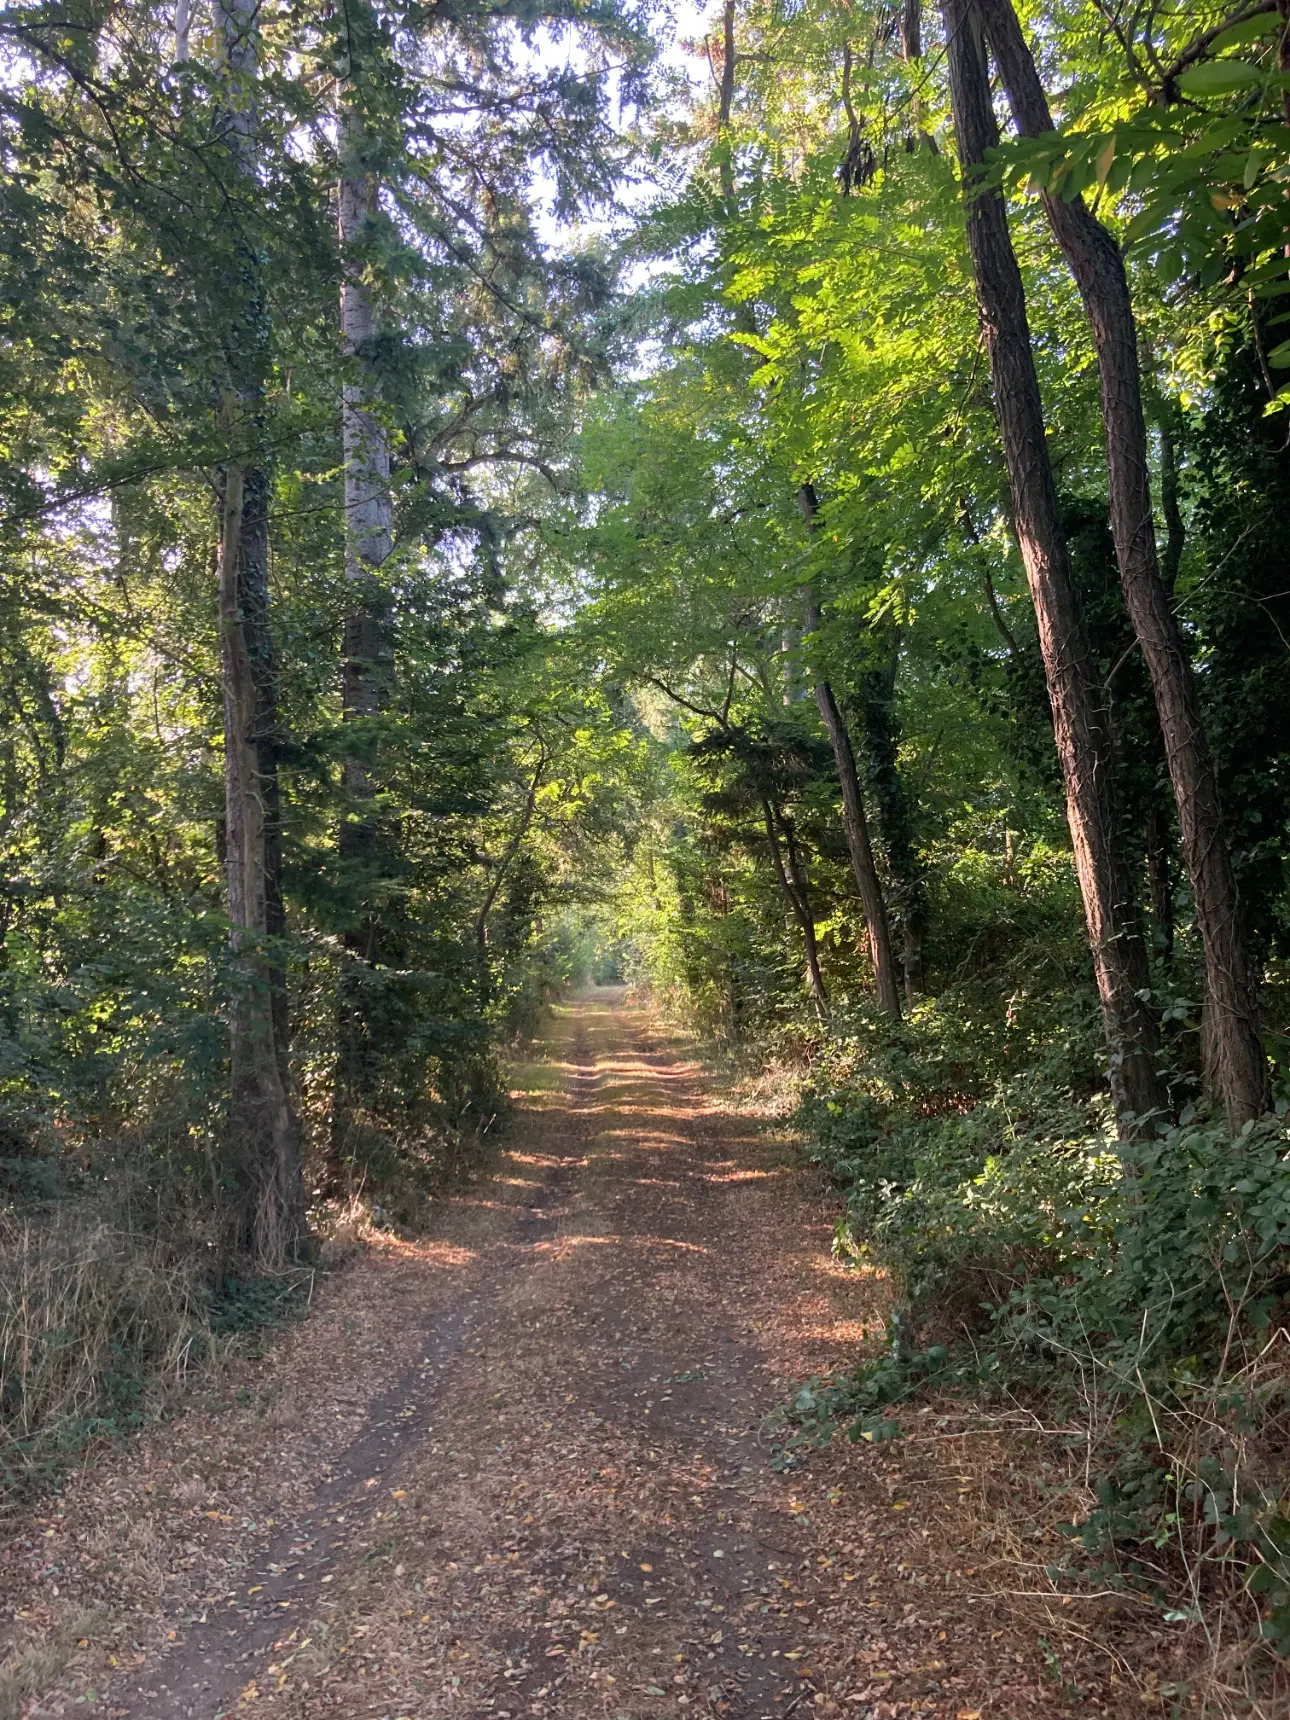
[{"x": 522, "y": 1467}]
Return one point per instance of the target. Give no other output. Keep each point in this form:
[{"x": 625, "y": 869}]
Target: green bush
[
  {"x": 1140, "y": 1292},
  {"x": 965, "y": 1175}
]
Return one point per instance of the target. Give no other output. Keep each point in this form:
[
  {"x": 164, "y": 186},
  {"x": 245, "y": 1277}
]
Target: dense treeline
[
  {"x": 810, "y": 495},
  {"x": 293, "y": 764},
  {"x": 937, "y": 536}
]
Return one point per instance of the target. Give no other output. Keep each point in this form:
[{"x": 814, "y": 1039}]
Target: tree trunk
[
  {"x": 1236, "y": 1068},
  {"x": 499, "y": 876},
  {"x": 798, "y": 899},
  {"x": 264, "y": 1133},
  {"x": 1079, "y": 717},
  {"x": 876, "y": 694},
  {"x": 367, "y": 661},
  {"x": 855, "y": 824}
]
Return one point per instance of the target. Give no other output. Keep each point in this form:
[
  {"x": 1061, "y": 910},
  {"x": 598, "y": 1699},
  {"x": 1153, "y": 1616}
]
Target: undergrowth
[
  {"x": 103, "y": 1317},
  {"x": 120, "y": 1273},
  {"x": 1135, "y": 1298}
]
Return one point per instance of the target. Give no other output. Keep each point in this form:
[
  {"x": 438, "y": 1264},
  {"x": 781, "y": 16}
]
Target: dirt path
[{"x": 523, "y": 1468}]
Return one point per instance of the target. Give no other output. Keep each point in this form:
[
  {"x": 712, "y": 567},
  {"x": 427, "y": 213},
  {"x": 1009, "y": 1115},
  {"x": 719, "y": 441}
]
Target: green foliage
[
  {"x": 1137, "y": 1290},
  {"x": 248, "y": 1304}
]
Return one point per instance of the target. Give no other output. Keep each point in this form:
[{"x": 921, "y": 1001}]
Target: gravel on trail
[{"x": 522, "y": 1466}]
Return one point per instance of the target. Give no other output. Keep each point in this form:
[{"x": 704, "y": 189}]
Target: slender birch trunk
[
  {"x": 1079, "y": 715},
  {"x": 264, "y": 1133},
  {"x": 1236, "y": 1067}
]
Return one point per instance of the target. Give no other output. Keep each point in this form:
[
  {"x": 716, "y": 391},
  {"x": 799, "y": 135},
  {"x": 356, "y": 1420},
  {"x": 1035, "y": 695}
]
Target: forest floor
[{"x": 521, "y": 1467}]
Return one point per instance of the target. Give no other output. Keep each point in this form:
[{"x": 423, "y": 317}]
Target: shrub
[{"x": 1140, "y": 1292}]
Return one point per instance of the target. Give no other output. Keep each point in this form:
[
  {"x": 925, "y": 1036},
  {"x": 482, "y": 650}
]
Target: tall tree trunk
[
  {"x": 860, "y": 848},
  {"x": 876, "y": 695},
  {"x": 499, "y": 877},
  {"x": 264, "y": 1133},
  {"x": 792, "y": 882},
  {"x": 1079, "y": 716},
  {"x": 855, "y": 824},
  {"x": 367, "y": 662},
  {"x": 1237, "y": 1070}
]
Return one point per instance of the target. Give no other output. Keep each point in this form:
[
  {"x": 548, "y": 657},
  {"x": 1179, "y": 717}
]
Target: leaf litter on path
[{"x": 519, "y": 1468}]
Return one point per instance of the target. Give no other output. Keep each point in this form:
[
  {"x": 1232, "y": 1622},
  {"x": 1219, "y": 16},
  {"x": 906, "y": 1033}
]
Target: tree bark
[
  {"x": 876, "y": 698},
  {"x": 855, "y": 824},
  {"x": 367, "y": 656},
  {"x": 1079, "y": 716},
  {"x": 264, "y": 1132},
  {"x": 798, "y": 898},
  {"x": 1237, "y": 1069},
  {"x": 499, "y": 876}
]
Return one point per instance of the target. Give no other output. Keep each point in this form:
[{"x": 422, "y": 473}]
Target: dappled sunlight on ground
[
  {"x": 427, "y": 1253},
  {"x": 616, "y": 1240},
  {"x": 745, "y": 1176},
  {"x": 522, "y": 1467}
]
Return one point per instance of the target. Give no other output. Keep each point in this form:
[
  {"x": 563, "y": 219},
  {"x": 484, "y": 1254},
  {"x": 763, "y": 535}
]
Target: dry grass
[
  {"x": 1171, "y": 1620},
  {"x": 95, "y": 1319},
  {"x": 106, "y": 1305},
  {"x": 31, "y": 1665}
]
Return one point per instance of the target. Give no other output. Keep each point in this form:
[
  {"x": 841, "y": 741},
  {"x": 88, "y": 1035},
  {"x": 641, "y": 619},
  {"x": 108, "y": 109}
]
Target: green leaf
[
  {"x": 1214, "y": 137},
  {"x": 1248, "y": 30},
  {"x": 1219, "y": 77},
  {"x": 1146, "y": 222}
]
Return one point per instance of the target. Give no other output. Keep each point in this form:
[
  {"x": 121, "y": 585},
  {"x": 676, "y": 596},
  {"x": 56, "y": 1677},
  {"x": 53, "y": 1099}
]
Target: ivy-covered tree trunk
[
  {"x": 367, "y": 655},
  {"x": 264, "y": 1133},
  {"x": 265, "y": 1139},
  {"x": 1079, "y": 716},
  {"x": 1236, "y": 1067}
]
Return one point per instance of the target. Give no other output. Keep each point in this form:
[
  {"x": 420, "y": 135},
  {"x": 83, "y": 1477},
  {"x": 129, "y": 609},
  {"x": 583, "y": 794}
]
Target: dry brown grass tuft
[
  {"x": 31, "y": 1665},
  {"x": 1171, "y": 1619},
  {"x": 94, "y": 1321}
]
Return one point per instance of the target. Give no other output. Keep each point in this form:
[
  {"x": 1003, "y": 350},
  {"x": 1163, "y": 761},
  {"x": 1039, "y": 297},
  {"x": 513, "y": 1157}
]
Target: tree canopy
[{"x": 780, "y": 504}]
